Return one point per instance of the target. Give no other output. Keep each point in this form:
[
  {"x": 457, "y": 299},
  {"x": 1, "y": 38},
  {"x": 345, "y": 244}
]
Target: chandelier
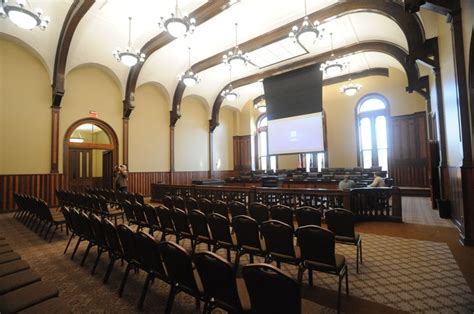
[
  {"x": 189, "y": 78},
  {"x": 22, "y": 17},
  {"x": 235, "y": 58},
  {"x": 229, "y": 94},
  {"x": 308, "y": 33},
  {"x": 332, "y": 66},
  {"x": 178, "y": 25},
  {"x": 129, "y": 57},
  {"x": 260, "y": 105},
  {"x": 350, "y": 89}
]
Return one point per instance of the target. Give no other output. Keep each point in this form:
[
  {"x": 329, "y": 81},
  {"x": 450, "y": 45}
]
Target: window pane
[
  {"x": 89, "y": 133},
  {"x": 365, "y": 134},
  {"x": 263, "y": 122},
  {"x": 367, "y": 158},
  {"x": 320, "y": 159},
  {"x": 383, "y": 159},
  {"x": 263, "y": 144},
  {"x": 263, "y": 163},
  {"x": 308, "y": 161},
  {"x": 381, "y": 132},
  {"x": 273, "y": 163},
  {"x": 372, "y": 104}
]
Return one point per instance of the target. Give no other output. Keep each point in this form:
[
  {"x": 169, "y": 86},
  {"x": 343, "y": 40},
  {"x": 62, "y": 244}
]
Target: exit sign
[{"x": 93, "y": 114}]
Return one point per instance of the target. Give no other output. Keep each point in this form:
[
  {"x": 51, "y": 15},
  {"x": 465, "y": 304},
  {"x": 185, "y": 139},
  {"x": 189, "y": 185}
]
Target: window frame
[{"x": 268, "y": 156}]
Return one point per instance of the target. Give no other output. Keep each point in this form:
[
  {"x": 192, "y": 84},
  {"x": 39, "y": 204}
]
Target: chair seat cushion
[
  {"x": 13, "y": 267},
  {"x": 8, "y": 257},
  {"x": 5, "y": 249},
  {"x": 17, "y": 280},
  {"x": 343, "y": 239},
  {"x": 340, "y": 263},
  {"x": 50, "y": 306},
  {"x": 27, "y": 296}
]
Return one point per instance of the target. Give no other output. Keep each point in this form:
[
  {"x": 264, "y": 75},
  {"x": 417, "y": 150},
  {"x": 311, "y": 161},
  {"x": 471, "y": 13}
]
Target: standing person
[
  {"x": 346, "y": 183},
  {"x": 115, "y": 176},
  {"x": 122, "y": 179},
  {"x": 378, "y": 181}
]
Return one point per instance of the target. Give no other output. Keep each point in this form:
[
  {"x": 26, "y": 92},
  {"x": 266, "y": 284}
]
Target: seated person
[
  {"x": 346, "y": 183},
  {"x": 378, "y": 182}
]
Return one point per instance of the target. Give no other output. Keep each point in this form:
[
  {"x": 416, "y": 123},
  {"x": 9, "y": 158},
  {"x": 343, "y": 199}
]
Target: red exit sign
[{"x": 93, "y": 114}]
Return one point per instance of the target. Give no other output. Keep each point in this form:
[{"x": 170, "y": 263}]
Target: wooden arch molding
[
  {"x": 393, "y": 50},
  {"x": 114, "y": 146},
  {"x": 408, "y": 23}
]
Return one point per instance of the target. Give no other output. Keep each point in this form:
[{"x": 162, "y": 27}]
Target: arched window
[
  {"x": 265, "y": 162},
  {"x": 372, "y": 118}
]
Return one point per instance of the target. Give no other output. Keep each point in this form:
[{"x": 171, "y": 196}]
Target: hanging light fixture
[
  {"x": 178, "y": 25},
  {"x": 235, "y": 58},
  {"x": 189, "y": 78},
  {"x": 129, "y": 57},
  {"x": 332, "y": 66},
  {"x": 308, "y": 33},
  {"x": 229, "y": 93},
  {"x": 260, "y": 105},
  {"x": 22, "y": 17},
  {"x": 350, "y": 89}
]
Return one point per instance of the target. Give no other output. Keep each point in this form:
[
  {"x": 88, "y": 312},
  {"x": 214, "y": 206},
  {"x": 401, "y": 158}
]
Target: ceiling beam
[
  {"x": 77, "y": 10},
  {"x": 391, "y": 49},
  {"x": 409, "y": 24},
  {"x": 443, "y": 7},
  {"x": 201, "y": 15},
  {"x": 356, "y": 75}
]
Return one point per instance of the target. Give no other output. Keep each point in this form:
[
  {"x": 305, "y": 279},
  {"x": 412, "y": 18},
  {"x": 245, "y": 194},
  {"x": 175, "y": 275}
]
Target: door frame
[{"x": 109, "y": 131}]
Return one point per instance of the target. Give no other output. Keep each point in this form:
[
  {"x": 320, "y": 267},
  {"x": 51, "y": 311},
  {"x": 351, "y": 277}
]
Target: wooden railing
[{"x": 365, "y": 203}]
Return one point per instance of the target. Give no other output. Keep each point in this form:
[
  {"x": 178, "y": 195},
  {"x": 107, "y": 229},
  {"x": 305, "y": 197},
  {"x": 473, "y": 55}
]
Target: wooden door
[
  {"x": 80, "y": 169},
  {"x": 107, "y": 169}
]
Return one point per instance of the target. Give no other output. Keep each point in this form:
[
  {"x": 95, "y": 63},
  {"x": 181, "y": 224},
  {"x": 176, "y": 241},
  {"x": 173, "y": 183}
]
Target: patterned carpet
[{"x": 397, "y": 275}]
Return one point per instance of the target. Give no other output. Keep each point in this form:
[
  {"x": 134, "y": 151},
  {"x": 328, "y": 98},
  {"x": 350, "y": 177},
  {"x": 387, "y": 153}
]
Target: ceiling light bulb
[
  {"x": 128, "y": 59},
  {"x": 22, "y": 19},
  {"x": 176, "y": 28}
]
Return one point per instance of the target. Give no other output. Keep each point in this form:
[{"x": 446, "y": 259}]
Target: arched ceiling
[{"x": 105, "y": 27}]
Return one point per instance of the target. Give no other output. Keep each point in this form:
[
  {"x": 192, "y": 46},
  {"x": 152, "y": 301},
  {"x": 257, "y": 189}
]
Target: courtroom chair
[
  {"x": 69, "y": 225},
  {"x": 80, "y": 229},
  {"x": 128, "y": 241},
  {"x": 221, "y": 208},
  {"x": 114, "y": 245},
  {"x": 318, "y": 248},
  {"x": 271, "y": 290},
  {"x": 139, "y": 198},
  {"x": 178, "y": 202},
  {"x": 237, "y": 209},
  {"x": 199, "y": 228},
  {"x": 205, "y": 206},
  {"x": 100, "y": 239},
  {"x": 248, "y": 238},
  {"x": 140, "y": 217},
  {"x": 221, "y": 236},
  {"x": 219, "y": 282},
  {"x": 152, "y": 218},
  {"x": 191, "y": 203},
  {"x": 307, "y": 215},
  {"x": 279, "y": 243},
  {"x": 168, "y": 201},
  {"x": 166, "y": 223},
  {"x": 282, "y": 213},
  {"x": 341, "y": 223},
  {"x": 181, "y": 273},
  {"x": 259, "y": 212},
  {"x": 181, "y": 225},
  {"x": 88, "y": 234},
  {"x": 129, "y": 214}
]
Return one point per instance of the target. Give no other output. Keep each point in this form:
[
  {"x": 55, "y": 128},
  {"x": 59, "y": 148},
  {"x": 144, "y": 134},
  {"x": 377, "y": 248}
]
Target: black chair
[
  {"x": 100, "y": 239},
  {"x": 181, "y": 226},
  {"x": 318, "y": 248},
  {"x": 166, "y": 223},
  {"x": 307, "y": 215},
  {"x": 220, "y": 207},
  {"x": 271, "y": 291},
  {"x": 149, "y": 255},
  {"x": 191, "y": 203},
  {"x": 279, "y": 245},
  {"x": 341, "y": 223},
  {"x": 178, "y": 202},
  {"x": 259, "y": 212},
  {"x": 221, "y": 236},
  {"x": 200, "y": 230},
  {"x": 114, "y": 245},
  {"x": 205, "y": 206},
  {"x": 237, "y": 209},
  {"x": 69, "y": 225},
  {"x": 180, "y": 270},
  {"x": 282, "y": 213},
  {"x": 219, "y": 282},
  {"x": 168, "y": 202},
  {"x": 140, "y": 217},
  {"x": 248, "y": 238},
  {"x": 127, "y": 238},
  {"x": 78, "y": 226},
  {"x": 152, "y": 218},
  {"x": 139, "y": 198},
  {"x": 128, "y": 211}
]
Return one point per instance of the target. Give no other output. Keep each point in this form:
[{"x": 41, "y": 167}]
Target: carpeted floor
[{"x": 398, "y": 274}]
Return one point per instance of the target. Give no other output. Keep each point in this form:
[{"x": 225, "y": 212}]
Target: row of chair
[
  {"x": 117, "y": 197},
  {"x": 21, "y": 288},
  {"x": 35, "y": 214},
  {"x": 172, "y": 264}
]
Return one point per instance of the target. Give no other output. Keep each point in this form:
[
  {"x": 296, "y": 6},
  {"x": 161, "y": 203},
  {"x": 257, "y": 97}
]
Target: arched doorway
[{"x": 90, "y": 153}]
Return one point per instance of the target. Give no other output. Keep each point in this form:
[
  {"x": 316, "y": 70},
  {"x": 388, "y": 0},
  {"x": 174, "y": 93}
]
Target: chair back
[
  {"x": 307, "y": 215},
  {"x": 237, "y": 209},
  {"x": 164, "y": 214},
  {"x": 178, "y": 202},
  {"x": 191, "y": 203},
  {"x": 127, "y": 238},
  {"x": 151, "y": 215},
  {"x": 139, "y": 198},
  {"x": 219, "y": 280},
  {"x": 246, "y": 230},
  {"x": 270, "y": 290},
  {"x": 168, "y": 202},
  {"x": 205, "y": 206},
  {"x": 259, "y": 212},
  {"x": 220, "y": 228},
  {"x": 180, "y": 221},
  {"x": 139, "y": 213},
  {"x": 98, "y": 229},
  {"x": 179, "y": 266},
  {"x": 86, "y": 227},
  {"x": 199, "y": 224},
  {"x": 317, "y": 245},
  {"x": 127, "y": 209},
  {"x": 112, "y": 237},
  {"x": 278, "y": 237},
  {"x": 282, "y": 213},
  {"x": 149, "y": 253},
  {"x": 220, "y": 207},
  {"x": 340, "y": 222}
]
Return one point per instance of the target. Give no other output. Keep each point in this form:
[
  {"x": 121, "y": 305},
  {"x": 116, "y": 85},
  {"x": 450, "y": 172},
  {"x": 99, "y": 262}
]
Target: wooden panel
[
  {"x": 455, "y": 196},
  {"x": 409, "y": 162},
  {"x": 140, "y": 182},
  {"x": 39, "y": 185}
]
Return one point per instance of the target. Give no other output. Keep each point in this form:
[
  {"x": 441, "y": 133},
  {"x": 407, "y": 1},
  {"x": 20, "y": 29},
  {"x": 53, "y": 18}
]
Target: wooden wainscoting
[
  {"x": 140, "y": 182},
  {"x": 43, "y": 186},
  {"x": 414, "y": 175},
  {"x": 455, "y": 195}
]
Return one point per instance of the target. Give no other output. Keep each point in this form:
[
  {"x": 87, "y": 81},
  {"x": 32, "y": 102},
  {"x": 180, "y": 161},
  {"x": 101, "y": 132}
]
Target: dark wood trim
[
  {"x": 171, "y": 154},
  {"x": 211, "y": 151},
  {"x": 91, "y": 146},
  {"x": 77, "y": 10},
  {"x": 201, "y": 15},
  {"x": 395, "y": 51},
  {"x": 356, "y": 75},
  {"x": 114, "y": 146},
  {"x": 55, "y": 111},
  {"x": 126, "y": 139}
]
